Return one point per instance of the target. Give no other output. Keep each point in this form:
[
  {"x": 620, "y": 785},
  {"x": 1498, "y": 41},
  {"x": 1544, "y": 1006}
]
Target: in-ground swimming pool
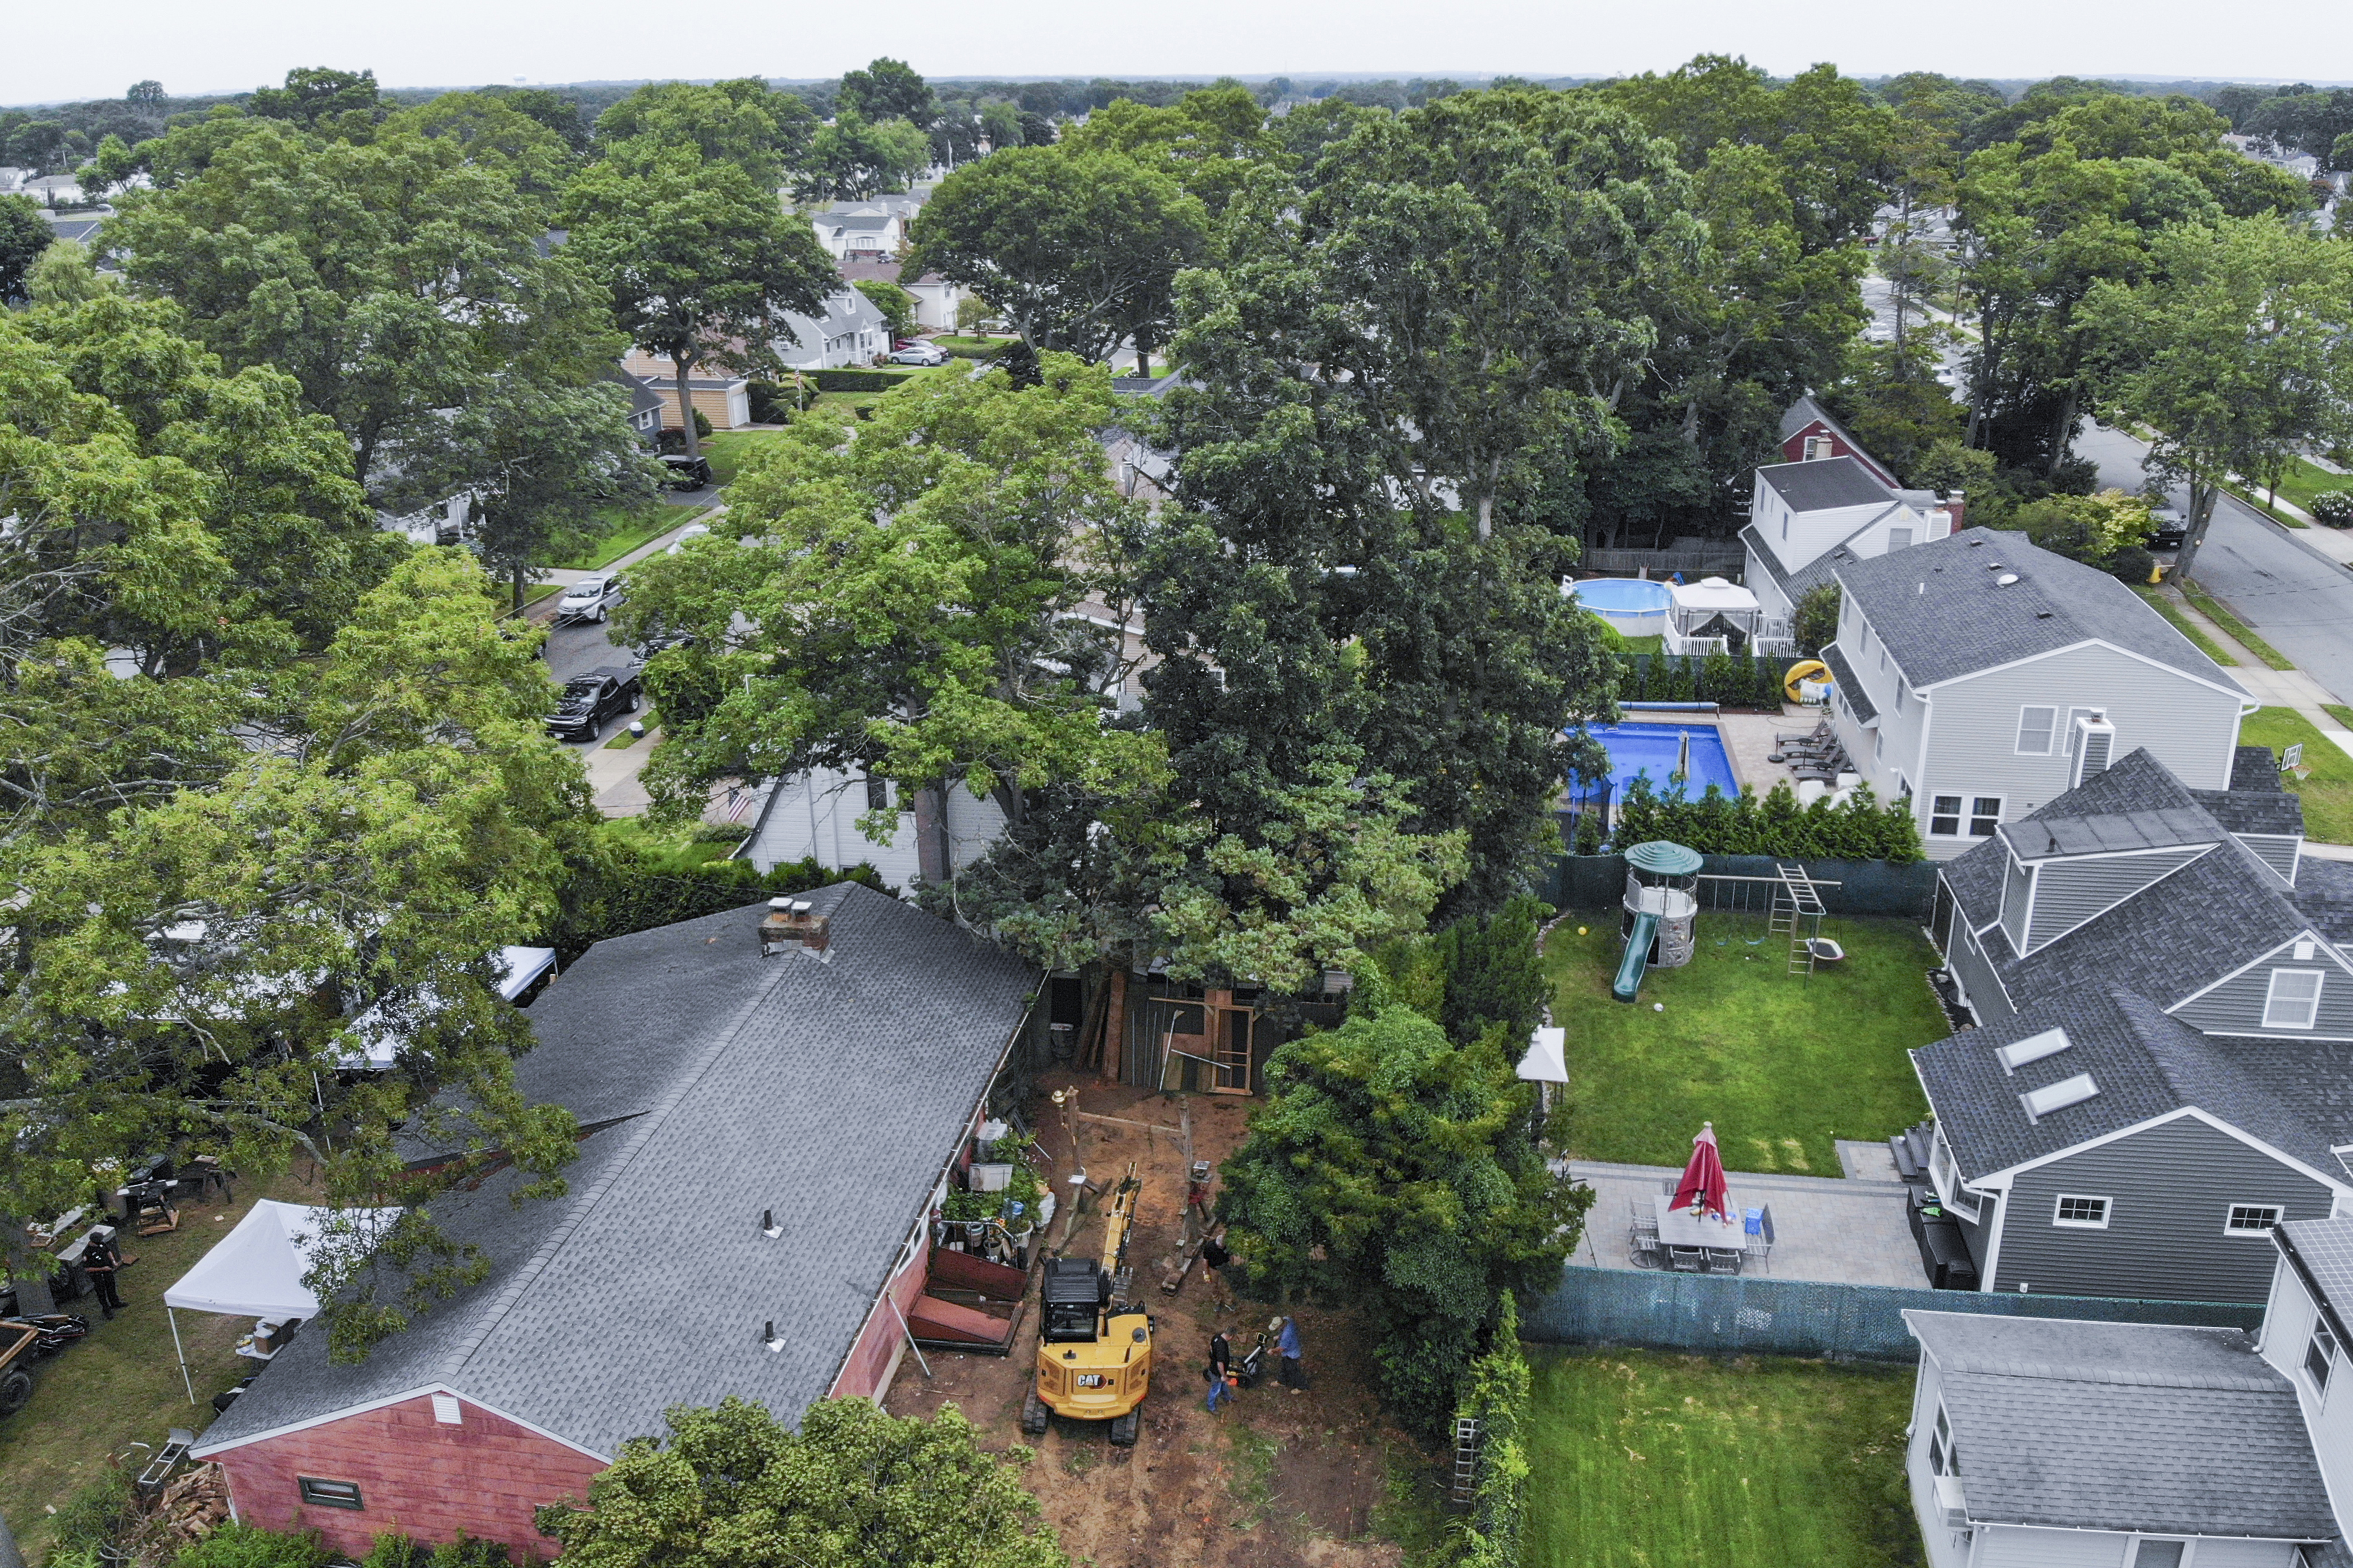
[
  {"x": 1651, "y": 749},
  {"x": 1637, "y": 609}
]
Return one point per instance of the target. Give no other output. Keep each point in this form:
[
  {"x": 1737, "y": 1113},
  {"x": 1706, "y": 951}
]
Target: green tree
[
  {"x": 1207, "y": 141},
  {"x": 23, "y": 235},
  {"x": 888, "y": 89},
  {"x": 852, "y": 1488},
  {"x": 2235, "y": 351},
  {"x": 696, "y": 260},
  {"x": 1817, "y": 619},
  {"x": 898, "y": 306},
  {"x": 766, "y": 134},
  {"x": 494, "y": 133},
  {"x": 1079, "y": 250},
  {"x": 548, "y": 457},
  {"x": 111, "y": 169},
  {"x": 1394, "y": 1170},
  {"x": 341, "y": 104},
  {"x": 855, "y": 157}
]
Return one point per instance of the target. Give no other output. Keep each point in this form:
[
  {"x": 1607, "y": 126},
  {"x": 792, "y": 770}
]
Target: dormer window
[
  {"x": 2292, "y": 1001},
  {"x": 2042, "y": 1102}
]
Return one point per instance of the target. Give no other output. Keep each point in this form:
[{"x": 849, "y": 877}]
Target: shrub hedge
[
  {"x": 1718, "y": 823},
  {"x": 1733, "y": 681},
  {"x": 614, "y": 891},
  {"x": 1495, "y": 1395},
  {"x": 859, "y": 380}
]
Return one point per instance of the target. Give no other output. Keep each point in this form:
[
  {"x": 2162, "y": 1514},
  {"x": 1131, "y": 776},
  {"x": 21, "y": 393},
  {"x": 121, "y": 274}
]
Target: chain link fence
[{"x": 1719, "y": 1314}]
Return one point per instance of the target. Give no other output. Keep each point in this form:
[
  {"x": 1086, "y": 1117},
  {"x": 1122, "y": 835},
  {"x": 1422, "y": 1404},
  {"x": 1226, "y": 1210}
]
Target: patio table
[{"x": 1678, "y": 1228}]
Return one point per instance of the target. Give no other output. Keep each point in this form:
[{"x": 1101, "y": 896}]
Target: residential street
[{"x": 2297, "y": 598}]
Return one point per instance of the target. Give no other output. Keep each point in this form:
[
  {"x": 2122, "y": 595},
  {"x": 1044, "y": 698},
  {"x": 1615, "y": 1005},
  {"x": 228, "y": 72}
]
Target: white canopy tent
[{"x": 255, "y": 1271}]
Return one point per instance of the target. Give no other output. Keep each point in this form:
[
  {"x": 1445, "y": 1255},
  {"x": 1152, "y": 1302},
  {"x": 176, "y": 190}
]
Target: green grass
[
  {"x": 670, "y": 849},
  {"x": 1659, "y": 1461},
  {"x": 2339, "y": 712},
  {"x": 729, "y": 450},
  {"x": 2329, "y": 794},
  {"x": 1783, "y": 1064},
  {"x": 2253, "y": 495},
  {"x": 2162, "y": 602},
  {"x": 622, "y": 740},
  {"x": 121, "y": 1385},
  {"x": 624, "y": 528},
  {"x": 2300, "y": 482},
  {"x": 2211, "y": 608},
  {"x": 1630, "y": 647}
]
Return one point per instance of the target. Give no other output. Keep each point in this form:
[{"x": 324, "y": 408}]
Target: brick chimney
[{"x": 790, "y": 924}]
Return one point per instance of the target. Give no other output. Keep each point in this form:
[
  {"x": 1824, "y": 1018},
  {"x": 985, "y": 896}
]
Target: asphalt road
[
  {"x": 2300, "y": 601},
  {"x": 578, "y": 649}
]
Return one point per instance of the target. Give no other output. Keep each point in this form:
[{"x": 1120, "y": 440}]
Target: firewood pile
[{"x": 194, "y": 1505}]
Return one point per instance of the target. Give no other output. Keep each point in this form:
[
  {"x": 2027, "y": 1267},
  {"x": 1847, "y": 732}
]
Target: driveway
[{"x": 2297, "y": 598}]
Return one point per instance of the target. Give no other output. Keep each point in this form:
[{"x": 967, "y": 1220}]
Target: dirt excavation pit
[{"x": 1274, "y": 1478}]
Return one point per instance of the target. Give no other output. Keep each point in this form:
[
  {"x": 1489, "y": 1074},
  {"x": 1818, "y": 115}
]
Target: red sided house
[
  {"x": 1809, "y": 433},
  {"x": 827, "y": 1093}
]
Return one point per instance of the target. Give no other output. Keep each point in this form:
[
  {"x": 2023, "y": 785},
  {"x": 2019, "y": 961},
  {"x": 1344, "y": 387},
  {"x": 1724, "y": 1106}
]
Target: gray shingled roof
[
  {"x": 2123, "y": 1427},
  {"x": 2321, "y": 1250},
  {"x": 1942, "y": 613},
  {"x": 2146, "y": 1064},
  {"x": 2205, "y": 920},
  {"x": 830, "y": 1092},
  {"x": 2255, "y": 770},
  {"x": 1842, "y": 670},
  {"x": 1825, "y": 484},
  {"x": 2278, "y": 813},
  {"x": 2041, "y": 837},
  {"x": 2324, "y": 892}
]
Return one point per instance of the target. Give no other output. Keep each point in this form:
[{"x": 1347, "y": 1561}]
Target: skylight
[
  {"x": 2042, "y": 1102},
  {"x": 2032, "y": 1048}
]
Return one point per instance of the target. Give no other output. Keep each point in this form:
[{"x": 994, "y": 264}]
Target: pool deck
[{"x": 1748, "y": 739}]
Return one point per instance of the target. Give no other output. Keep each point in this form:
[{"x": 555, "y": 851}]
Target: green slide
[{"x": 1628, "y": 982}]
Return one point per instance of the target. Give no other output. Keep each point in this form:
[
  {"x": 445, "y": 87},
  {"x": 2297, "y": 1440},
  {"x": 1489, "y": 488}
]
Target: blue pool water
[
  {"x": 1651, "y": 749},
  {"x": 1623, "y": 595}
]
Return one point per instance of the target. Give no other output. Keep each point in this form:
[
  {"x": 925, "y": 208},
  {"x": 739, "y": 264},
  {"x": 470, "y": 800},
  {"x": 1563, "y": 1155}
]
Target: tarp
[{"x": 255, "y": 1271}]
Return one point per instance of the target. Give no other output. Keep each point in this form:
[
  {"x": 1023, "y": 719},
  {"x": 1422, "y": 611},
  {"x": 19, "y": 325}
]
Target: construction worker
[
  {"x": 1293, "y": 1375},
  {"x": 100, "y": 1259},
  {"x": 1221, "y": 1357},
  {"x": 1214, "y": 1259}
]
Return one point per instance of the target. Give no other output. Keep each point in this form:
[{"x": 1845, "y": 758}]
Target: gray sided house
[
  {"x": 1808, "y": 517},
  {"x": 2053, "y": 1444},
  {"x": 2163, "y": 1067},
  {"x": 2308, "y": 1337},
  {"x": 1982, "y": 678}
]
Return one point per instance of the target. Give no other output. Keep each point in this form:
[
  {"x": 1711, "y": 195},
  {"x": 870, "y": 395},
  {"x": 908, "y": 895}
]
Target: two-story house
[
  {"x": 1973, "y": 671},
  {"x": 1809, "y": 433},
  {"x": 1806, "y": 518},
  {"x": 851, "y": 331},
  {"x": 2163, "y": 1065},
  {"x": 867, "y": 232}
]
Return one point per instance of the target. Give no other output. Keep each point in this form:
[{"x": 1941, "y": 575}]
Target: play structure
[{"x": 1662, "y": 908}]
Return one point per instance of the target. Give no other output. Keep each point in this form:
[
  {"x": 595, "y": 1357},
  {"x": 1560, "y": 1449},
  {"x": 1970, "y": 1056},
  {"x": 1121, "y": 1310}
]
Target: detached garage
[{"x": 765, "y": 1139}]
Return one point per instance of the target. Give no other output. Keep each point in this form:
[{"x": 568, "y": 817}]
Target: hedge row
[
  {"x": 1496, "y": 1396},
  {"x": 1718, "y": 823},
  {"x": 614, "y": 891},
  {"x": 1735, "y": 680},
  {"x": 859, "y": 380}
]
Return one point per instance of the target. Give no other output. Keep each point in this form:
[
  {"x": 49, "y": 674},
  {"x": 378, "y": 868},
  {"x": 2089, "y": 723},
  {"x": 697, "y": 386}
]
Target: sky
[{"x": 227, "y": 45}]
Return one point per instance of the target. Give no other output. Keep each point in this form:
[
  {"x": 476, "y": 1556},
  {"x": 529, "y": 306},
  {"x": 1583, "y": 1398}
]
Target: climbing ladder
[
  {"x": 1798, "y": 913},
  {"x": 1466, "y": 1459}
]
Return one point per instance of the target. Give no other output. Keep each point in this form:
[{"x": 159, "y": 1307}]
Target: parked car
[
  {"x": 590, "y": 700},
  {"x": 2172, "y": 530},
  {"x": 923, "y": 354},
  {"x": 691, "y": 530},
  {"x": 660, "y": 636},
  {"x": 589, "y": 599},
  {"x": 686, "y": 473}
]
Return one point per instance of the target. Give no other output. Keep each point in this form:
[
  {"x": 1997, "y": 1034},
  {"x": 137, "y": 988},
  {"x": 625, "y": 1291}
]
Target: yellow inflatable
[{"x": 1805, "y": 670}]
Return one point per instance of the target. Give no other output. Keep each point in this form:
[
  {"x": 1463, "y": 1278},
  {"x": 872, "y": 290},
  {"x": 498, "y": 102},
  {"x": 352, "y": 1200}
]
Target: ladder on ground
[
  {"x": 1466, "y": 1459},
  {"x": 1798, "y": 913}
]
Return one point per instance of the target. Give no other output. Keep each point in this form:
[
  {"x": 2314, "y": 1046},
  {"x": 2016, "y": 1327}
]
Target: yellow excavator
[{"x": 1094, "y": 1351}]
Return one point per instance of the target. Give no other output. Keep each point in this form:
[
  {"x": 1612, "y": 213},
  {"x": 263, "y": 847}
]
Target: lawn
[
  {"x": 2299, "y": 481},
  {"x": 1641, "y": 1460},
  {"x": 2162, "y": 602},
  {"x": 621, "y": 529},
  {"x": 729, "y": 450},
  {"x": 122, "y": 1383},
  {"x": 1783, "y": 1064},
  {"x": 2327, "y": 794}
]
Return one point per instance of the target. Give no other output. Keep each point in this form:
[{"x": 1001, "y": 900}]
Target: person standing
[
  {"x": 100, "y": 1259},
  {"x": 1214, "y": 1259},
  {"x": 1197, "y": 1203},
  {"x": 1222, "y": 1356},
  {"x": 1293, "y": 1373}
]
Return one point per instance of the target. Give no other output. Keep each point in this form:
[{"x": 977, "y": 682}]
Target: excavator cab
[{"x": 1094, "y": 1352}]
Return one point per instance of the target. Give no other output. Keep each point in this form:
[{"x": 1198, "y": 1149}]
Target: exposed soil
[{"x": 1274, "y": 1479}]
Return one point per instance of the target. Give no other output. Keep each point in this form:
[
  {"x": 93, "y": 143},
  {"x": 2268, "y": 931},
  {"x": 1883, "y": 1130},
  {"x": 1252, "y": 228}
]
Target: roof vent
[
  {"x": 2032, "y": 1048},
  {"x": 1974, "y": 542},
  {"x": 2043, "y": 615},
  {"x": 770, "y": 1338},
  {"x": 2005, "y": 580},
  {"x": 2042, "y": 1102}
]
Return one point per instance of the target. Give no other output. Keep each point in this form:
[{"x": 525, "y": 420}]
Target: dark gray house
[{"x": 2163, "y": 1069}]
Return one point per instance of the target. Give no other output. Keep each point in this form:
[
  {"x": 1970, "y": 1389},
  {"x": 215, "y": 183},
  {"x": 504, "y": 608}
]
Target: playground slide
[{"x": 1628, "y": 982}]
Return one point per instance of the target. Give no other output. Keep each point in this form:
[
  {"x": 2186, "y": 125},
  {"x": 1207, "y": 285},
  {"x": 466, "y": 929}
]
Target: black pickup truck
[{"x": 590, "y": 700}]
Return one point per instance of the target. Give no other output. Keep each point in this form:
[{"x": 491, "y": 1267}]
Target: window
[
  {"x": 2032, "y": 1048},
  {"x": 1944, "y": 816},
  {"x": 2042, "y": 1102},
  {"x": 2034, "y": 729},
  {"x": 1944, "y": 1453},
  {"x": 1818, "y": 448},
  {"x": 2159, "y": 1554},
  {"x": 1898, "y": 539},
  {"x": 1878, "y": 745},
  {"x": 2320, "y": 1354},
  {"x": 2085, "y": 1214},
  {"x": 2251, "y": 1219},
  {"x": 2293, "y": 1000},
  {"x": 1985, "y": 815},
  {"x": 330, "y": 1494},
  {"x": 878, "y": 794}
]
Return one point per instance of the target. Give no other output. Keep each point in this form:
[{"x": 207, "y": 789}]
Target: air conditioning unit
[{"x": 1951, "y": 1507}]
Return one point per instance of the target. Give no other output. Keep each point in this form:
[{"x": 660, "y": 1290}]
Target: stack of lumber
[{"x": 195, "y": 1504}]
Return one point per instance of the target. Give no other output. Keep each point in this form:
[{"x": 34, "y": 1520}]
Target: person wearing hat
[
  {"x": 1220, "y": 1371},
  {"x": 1293, "y": 1375},
  {"x": 100, "y": 1259}
]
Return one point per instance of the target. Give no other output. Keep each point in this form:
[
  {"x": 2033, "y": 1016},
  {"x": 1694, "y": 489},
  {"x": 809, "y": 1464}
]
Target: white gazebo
[
  {"x": 1715, "y": 615},
  {"x": 255, "y": 1271}
]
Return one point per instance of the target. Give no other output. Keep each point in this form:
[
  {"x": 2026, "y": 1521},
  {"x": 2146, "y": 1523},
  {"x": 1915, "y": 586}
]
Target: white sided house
[
  {"x": 818, "y": 815},
  {"x": 1808, "y": 517},
  {"x": 851, "y": 331},
  {"x": 1983, "y": 677}
]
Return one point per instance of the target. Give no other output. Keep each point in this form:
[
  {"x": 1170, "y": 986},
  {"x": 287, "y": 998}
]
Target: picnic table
[{"x": 1679, "y": 1227}]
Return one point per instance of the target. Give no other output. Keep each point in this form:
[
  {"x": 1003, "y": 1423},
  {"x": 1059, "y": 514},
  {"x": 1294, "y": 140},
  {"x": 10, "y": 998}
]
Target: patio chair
[
  {"x": 1687, "y": 1259},
  {"x": 1643, "y": 1249},
  {"x": 1758, "y": 1247},
  {"x": 1722, "y": 1259}
]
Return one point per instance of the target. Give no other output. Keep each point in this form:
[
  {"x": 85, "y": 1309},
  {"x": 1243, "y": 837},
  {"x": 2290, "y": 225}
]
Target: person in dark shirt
[
  {"x": 100, "y": 1259},
  {"x": 1221, "y": 1357},
  {"x": 1214, "y": 1259},
  {"x": 1293, "y": 1373}
]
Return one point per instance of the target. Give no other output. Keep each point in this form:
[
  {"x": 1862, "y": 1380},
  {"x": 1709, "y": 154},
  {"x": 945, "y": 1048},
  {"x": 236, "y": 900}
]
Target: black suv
[
  {"x": 686, "y": 473},
  {"x": 590, "y": 700}
]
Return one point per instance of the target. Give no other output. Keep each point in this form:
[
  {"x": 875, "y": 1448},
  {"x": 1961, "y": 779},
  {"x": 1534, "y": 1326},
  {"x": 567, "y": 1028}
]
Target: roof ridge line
[
  {"x": 652, "y": 1121},
  {"x": 2049, "y": 1372}
]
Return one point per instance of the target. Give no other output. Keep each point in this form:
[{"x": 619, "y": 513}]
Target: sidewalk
[{"x": 613, "y": 782}]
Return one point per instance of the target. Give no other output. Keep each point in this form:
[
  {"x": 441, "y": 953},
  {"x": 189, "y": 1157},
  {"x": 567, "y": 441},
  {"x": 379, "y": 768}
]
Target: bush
[
  {"x": 860, "y": 380},
  {"x": 2132, "y": 564},
  {"x": 772, "y": 402},
  {"x": 1716, "y": 824},
  {"x": 96, "y": 1517},
  {"x": 249, "y": 1546},
  {"x": 1495, "y": 1394},
  {"x": 614, "y": 890},
  {"x": 1817, "y": 618},
  {"x": 2334, "y": 508}
]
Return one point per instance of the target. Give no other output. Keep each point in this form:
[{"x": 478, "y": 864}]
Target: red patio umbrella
[{"x": 1701, "y": 1190}]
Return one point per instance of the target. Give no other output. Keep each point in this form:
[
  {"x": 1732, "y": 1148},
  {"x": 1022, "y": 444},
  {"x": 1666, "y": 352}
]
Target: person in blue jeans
[
  {"x": 1293, "y": 1375},
  {"x": 1221, "y": 1355}
]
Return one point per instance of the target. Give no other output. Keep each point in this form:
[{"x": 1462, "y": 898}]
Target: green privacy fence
[
  {"x": 1722, "y": 1314},
  {"x": 1865, "y": 887}
]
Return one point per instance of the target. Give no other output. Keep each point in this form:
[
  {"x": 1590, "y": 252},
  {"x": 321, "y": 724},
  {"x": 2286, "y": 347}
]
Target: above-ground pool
[
  {"x": 1635, "y": 607},
  {"x": 1651, "y": 749}
]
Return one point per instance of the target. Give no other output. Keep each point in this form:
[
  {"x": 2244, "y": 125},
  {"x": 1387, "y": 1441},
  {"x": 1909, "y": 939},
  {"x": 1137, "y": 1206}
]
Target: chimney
[
  {"x": 2092, "y": 745},
  {"x": 1956, "y": 507},
  {"x": 790, "y": 924}
]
